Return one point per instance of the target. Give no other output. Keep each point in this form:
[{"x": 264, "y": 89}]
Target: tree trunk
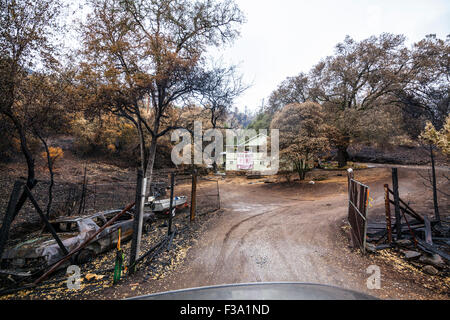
[
  {"x": 301, "y": 169},
  {"x": 142, "y": 150},
  {"x": 50, "y": 170},
  {"x": 31, "y": 181},
  {"x": 151, "y": 162},
  {"x": 342, "y": 156}
]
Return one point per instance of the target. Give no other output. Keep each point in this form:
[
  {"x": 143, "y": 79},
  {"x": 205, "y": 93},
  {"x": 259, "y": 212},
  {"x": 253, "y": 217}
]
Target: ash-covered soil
[{"x": 293, "y": 232}]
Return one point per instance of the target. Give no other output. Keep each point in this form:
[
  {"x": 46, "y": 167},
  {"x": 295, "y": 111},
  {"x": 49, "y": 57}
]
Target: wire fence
[{"x": 85, "y": 197}]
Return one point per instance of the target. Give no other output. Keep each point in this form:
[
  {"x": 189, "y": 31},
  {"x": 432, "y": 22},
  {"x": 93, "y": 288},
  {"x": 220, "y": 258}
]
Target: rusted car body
[{"x": 40, "y": 250}]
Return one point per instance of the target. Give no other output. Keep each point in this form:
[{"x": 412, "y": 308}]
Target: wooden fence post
[
  {"x": 138, "y": 220},
  {"x": 387, "y": 208},
  {"x": 435, "y": 199},
  {"x": 428, "y": 235},
  {"x": 83, "y": 193},
  {"x": 398, "y": 218},
  {"x": 349, "y": 177},
  {"x": 9, "y": 215},
  {"x": 46, "y": 222},
  {"x": 193, "y": 195},
  {"x": 350, "y": 199}
]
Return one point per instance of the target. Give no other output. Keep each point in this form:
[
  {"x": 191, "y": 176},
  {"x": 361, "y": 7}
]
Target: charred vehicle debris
[{"x": 39, "y": 250}]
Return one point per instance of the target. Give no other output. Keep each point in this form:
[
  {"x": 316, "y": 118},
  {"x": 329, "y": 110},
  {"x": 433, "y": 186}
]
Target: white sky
[{"x": 284, "y": 37}]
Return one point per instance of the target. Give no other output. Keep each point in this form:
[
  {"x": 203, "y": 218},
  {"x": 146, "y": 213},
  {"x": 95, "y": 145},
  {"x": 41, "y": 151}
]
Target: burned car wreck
[{"x": 40, "y": 250}]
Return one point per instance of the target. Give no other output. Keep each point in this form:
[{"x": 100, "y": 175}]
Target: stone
[
  {"x": 403, "y": 242},
  {"x": 435, "y": 260},
  {"x": 410, "y": 254},
  {"x": 371, "y": 247},
  {"x": 430, "y": 270}
]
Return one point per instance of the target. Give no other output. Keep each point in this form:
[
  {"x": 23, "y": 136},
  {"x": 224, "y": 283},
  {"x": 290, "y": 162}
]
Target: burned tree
[
  {"x": 302, "y": 134},
  {"x": 356, "y": 80},
  {"x": 148, "y": 56},
  {"x": 27, "y": 29}
]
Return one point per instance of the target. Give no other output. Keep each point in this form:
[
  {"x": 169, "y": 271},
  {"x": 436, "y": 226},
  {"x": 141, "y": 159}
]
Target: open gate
[{"x": 358, "y": 196}]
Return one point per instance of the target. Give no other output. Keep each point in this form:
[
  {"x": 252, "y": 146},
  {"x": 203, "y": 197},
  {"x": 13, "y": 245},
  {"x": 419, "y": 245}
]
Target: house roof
[{"x": 248, "y": 142}]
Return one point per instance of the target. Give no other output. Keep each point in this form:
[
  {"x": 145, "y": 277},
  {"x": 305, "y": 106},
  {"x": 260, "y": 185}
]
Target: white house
[{"x": 247, "y": 155}]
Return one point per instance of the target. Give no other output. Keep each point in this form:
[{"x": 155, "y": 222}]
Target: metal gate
[{"x": 358, "y": 196}]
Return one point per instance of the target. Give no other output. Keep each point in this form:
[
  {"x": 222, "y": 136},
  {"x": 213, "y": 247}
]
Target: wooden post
[
  {"x": 95, "y": 195},
  {"x": 83, "y": 193},
  {"x": 349, "y": 177},
  {"x": 193, "y": 195},
  {"x": 138, "y": 219},
  {"x": 398, "y": 218},
  {"x": 172, "y": 184},
  {"x": 9, "y": 215},
  {"x": 46, "y": 222},
  {"x": 387, "y": 208},
  {"x": 362, "y": 209},
  {"x": 428, "y": 237},
  {"x": 351, "y": 198},
  {"x": 435, "y": 199}
]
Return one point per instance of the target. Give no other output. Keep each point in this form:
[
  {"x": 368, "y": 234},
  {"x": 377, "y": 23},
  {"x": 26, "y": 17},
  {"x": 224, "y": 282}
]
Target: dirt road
[{"x": 290, "y": 232}]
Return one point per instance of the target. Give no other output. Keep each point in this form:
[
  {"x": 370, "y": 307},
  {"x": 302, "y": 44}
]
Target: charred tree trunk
[
  {"x": 301, "y": 168},
  {"x": 151, "y": 160},
  {"x": 342, "y": 156},
  {"x": 31, "y": 178},
  {"x": 50, "y": 170},
  {"x": 142, "y": 150}
]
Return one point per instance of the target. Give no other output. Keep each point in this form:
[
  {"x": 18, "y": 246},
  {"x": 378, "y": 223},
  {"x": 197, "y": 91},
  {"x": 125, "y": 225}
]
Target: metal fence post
[
  {"x": 218, "y": 194},
  {"x": 193, "y": 195},
  {"x": 138, "y": 219},
  {"x": 172, "y": 184}
]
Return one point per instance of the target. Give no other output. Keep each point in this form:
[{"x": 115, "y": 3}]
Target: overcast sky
[{"x": 284, "y": 37}]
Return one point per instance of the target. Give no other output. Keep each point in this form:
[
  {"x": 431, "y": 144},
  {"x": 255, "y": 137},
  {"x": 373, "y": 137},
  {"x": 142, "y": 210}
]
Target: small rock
[
  {"x": 434, "y": 260},
  {"x": 410, "y": 254},
  {"x": 403, "y": 242},
  {"x": 430, "y": 270},
  {"x": 311, "y": 182},
  {"x": 371, "y": 247}
]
